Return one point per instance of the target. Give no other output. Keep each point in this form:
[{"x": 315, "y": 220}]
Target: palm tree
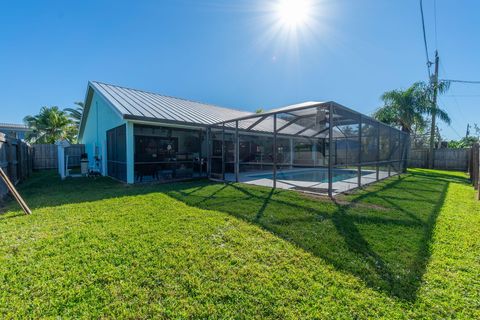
[
  {"x": 50, "y": 125},
  {"x": 76, "y": 113},
  {"x": 408, "y": 108}
]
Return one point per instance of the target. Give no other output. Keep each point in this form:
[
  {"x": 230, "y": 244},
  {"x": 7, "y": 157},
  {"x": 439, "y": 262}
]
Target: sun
[{"x": 293, "y": 13}]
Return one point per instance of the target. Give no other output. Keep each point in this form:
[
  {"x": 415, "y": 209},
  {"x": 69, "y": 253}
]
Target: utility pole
[
  {"x": 468, "y": 131},
  {"x": 433, "y": 129}
]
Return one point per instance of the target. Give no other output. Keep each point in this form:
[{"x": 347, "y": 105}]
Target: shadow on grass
[
  {"x": 387, "y": 249},
  {"x": 45, "y": 189},
  {"x": 385, "y": 241}
]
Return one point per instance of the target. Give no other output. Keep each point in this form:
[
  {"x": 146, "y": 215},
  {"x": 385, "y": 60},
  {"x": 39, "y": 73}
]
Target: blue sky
[{"x": 232, "y": 53}]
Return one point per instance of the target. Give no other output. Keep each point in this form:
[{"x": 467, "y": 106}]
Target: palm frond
[{"x": 443, "y": 115}]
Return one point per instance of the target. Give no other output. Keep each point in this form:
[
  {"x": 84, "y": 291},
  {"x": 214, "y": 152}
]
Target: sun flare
[{"x": 294, "y": 13}]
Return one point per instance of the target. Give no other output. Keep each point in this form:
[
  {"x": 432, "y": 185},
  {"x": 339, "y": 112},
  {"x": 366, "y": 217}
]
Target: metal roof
[
  {"x": 13, "y": 126},
  {"x": 298, "y": 106},
  {"x": 138, "y": 104},
  {"x": 133, "y": 104}
]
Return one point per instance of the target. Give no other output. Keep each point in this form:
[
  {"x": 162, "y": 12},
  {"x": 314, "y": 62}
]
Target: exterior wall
[
  {"x": 130, "y": 153},
  {"x": 15, "y": 133},
  {"x": 101, "y": 118}
]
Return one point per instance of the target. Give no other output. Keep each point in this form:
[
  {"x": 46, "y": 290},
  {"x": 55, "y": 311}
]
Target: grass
[{"x": 403, "y": 248}]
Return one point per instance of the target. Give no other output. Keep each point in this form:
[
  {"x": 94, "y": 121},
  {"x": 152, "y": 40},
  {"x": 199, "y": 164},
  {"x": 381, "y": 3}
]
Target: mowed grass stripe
[{"x": 206, "y": 250}]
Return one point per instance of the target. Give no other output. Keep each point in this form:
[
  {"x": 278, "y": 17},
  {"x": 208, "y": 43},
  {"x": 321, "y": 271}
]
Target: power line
[
  {"x": 461, "y": 81},
  {"x": 462, "y": 96},
  {"x": 459, "y": 108},
  {"x": 429, "y": 63},
  {"x": 461, "y": 115},
  {"x": 456, "y": 132},
  {"x": 435, "y": 15}
]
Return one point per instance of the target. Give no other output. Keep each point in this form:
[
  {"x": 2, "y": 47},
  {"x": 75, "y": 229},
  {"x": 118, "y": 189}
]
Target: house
[
  {"x": 17, "y": 131},
  {"x": 137, "y": 136},
  {"x": 129, "y": 133}
]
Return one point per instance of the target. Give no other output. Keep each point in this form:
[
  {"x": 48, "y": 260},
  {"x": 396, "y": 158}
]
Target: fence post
[
  {"x": 478, "y": 171},
  {"x": 3, "y": 162},
  {"x": 14, "y": 160},
  {"x": 330, "y": 150},
  {"x": 20, "y": 171}
]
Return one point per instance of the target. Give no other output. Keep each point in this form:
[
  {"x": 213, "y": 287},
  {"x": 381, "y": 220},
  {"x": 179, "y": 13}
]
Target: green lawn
[{"x": 404, "y": 248}]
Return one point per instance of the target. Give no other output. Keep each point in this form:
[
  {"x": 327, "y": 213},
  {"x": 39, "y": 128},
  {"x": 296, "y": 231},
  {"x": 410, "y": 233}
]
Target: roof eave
[
  {"x": 91, "y": 88},
  {"x": 164, "y": 121}
]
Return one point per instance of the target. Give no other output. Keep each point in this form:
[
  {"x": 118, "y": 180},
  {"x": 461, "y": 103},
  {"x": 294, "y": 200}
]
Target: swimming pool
[{"x": 312, "y": 175}]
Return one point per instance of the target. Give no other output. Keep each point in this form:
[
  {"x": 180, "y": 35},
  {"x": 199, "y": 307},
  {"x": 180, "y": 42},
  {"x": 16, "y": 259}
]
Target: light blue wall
[
  {"x": 101, "y": 118},
  {"x": 130, "y": 153}
]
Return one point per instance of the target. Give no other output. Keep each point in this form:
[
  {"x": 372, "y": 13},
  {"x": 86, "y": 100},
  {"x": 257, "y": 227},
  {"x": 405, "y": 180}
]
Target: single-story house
[
  {"x": 129, "y": 133},
  {"x": 17, "y": 131},
  {"x": 137, "y": 136}
]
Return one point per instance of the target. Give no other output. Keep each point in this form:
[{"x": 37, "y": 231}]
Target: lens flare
[{"x": 293, "y": 13}]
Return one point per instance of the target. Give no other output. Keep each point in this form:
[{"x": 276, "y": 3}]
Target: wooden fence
[
  {"x": 474, "y": 168},
  {"x": 445, "y": 159},
  {"x": 15, "y": 161},
  {"x": 45, "y": 156}
]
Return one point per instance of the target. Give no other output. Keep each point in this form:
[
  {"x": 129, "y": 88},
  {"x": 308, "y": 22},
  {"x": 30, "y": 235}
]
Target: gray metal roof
[
  {"x": 299, "y": 106},
  {"x": 13, "y": 126},
  {"x": 133, "y": 104},
  {"x": 142, "y": 105}
]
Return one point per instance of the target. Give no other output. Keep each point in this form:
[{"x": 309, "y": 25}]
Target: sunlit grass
[{"x": 407, "y": 248}]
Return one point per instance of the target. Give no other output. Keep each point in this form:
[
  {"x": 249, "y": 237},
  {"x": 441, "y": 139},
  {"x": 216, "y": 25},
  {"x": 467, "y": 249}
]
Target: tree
[
  {"x": 50, "y": 125},
  {"x": 408, "y": 109},
  {"x": 476, "y": 127},
  {"x": 466, "y": 142},
  {"x": 76, "y": 113}
]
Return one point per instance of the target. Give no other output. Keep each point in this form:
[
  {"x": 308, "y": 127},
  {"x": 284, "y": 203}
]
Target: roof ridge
[
  {"x": 167, "y": 96},
  {"x": 13, "y": 124}
]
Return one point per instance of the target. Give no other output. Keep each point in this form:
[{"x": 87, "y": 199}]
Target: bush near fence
[{"x": 15, "y": 161}]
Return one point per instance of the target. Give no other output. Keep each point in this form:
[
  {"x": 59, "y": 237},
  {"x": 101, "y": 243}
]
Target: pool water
[{"x": 315, "y": 175}]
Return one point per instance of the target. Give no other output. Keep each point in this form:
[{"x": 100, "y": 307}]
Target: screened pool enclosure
[{"x": 314, "y": 147}]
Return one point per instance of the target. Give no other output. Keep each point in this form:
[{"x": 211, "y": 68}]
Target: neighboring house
[
  {"x": 17, "y": 131},
  {"x": 136, "y": 136}
]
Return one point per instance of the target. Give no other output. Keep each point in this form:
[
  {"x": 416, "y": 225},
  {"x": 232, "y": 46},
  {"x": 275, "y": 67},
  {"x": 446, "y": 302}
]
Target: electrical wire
[
  {"x": 435, "y": 16},
  {"x": 461, "y": 95},
  {"x": 454, "y": 98},
  {"x": 459, "y": 108},
  {"x": 456, "y": 132},
  {"x": 429, "y": 64},
  {"x": 450, "y": 125},
  {"x": 461, "y": 81}
]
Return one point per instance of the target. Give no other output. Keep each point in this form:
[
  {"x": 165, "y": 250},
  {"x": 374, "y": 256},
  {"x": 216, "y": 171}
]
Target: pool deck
[{"x": 308, "y": 186}]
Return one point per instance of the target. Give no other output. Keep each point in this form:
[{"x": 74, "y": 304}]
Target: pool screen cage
[{"x": 321, "y": 148}]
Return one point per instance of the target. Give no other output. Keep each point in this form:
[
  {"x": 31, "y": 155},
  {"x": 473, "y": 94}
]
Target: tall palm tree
[
  {"x": 50, "y": 125},
  {"x": 409, "y": 108},
  {"x": 76, "y": 113}
]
